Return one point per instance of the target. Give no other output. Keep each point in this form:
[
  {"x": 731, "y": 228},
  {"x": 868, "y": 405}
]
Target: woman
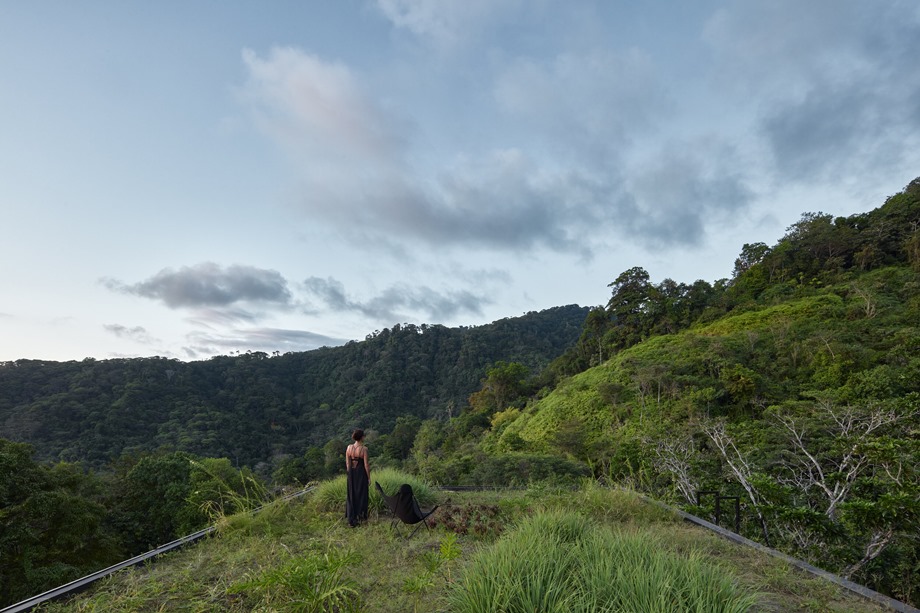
[{"x": 359, "y": 476}]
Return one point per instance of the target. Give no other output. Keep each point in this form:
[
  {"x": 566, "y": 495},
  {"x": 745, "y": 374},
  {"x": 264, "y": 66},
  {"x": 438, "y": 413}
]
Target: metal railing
[
  {"x": 871, "y": 595},
  {"x": 82, "y": 583},
  {"x": 718, "y": 510}
]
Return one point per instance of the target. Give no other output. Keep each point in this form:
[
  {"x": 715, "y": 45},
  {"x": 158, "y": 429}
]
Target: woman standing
[{"x": 359, "y": 476}]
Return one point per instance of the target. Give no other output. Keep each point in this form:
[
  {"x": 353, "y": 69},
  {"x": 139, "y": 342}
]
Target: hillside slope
[{"x": 802, "y": 397}]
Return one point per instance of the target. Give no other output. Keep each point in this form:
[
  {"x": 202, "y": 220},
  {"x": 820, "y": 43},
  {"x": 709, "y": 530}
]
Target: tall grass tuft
[
  {"x": 221, "y": 495},
  {"x": 559, "y": 562},
  {"x": 330, "y": 495}
]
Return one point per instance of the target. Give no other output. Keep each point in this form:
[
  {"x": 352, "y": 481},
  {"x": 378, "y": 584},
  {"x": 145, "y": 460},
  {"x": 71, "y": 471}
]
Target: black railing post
[{"x": 718, "y": 506}]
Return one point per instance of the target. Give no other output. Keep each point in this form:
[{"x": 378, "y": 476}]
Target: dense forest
[
  {"x": 256, "y": 408},
  {"x": 794, "y": 385}
]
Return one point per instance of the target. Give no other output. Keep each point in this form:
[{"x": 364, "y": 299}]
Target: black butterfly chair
[{"x": 405, "y": 509}]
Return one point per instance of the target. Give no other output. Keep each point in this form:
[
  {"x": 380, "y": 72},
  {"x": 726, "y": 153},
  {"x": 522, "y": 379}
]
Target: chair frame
[{"x": 389, "y": 501}]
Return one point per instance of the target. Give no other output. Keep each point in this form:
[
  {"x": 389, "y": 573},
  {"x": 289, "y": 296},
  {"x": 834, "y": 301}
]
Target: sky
[{"x": 190, "y": 179}]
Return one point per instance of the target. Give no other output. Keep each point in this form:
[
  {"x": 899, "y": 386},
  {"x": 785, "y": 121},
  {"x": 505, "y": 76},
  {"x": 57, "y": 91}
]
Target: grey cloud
[
  {"x": 839, "y": 83},
  {"x": 330, "y": 291},
  {"x": 514, "y": 205},
  {"x": 223, "y": 317},
  {"x": 505, "y": 202},
  {"x": 834, "y": 132},
  {"x": 256, "y": 339},
  {"x": 590, "y": 105},
  {"x": 678, "y": 194},
  {"x": 209, "y": 285},
  {"x": 391, "y": 304},
  {"x": 137, "y": 333},
  {"x": 439, "y": 306}
]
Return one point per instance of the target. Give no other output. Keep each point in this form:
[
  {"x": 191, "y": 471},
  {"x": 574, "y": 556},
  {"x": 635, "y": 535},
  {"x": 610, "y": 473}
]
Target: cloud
[
  {"x": 589, "y": 104},
  {"x": 683, "y": 189},
  {"x": 209, "y": 285},
  {"x": 830, "y": 134},
  {"x": 569, "y": 183},
  {"x": 209, "y": 318},
  {"x": 478, "y": 276},
  {"x": 839, "y": 84},
  {"x": 137, "y": 333},
  {"x": 392, "y": 303},
  {"x": 446, "y": 23},
  {"x": 318, "y": 108},
  {"x": 256, "y": 339}
]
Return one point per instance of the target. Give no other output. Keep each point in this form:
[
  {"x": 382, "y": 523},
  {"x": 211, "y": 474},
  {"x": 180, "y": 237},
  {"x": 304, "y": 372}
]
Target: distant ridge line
[{"x": 82, "y": 583}]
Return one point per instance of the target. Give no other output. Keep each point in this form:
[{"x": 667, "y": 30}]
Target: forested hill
[
  {"x": 254, "y": 407},
  {"x": 795, "y": 387}
]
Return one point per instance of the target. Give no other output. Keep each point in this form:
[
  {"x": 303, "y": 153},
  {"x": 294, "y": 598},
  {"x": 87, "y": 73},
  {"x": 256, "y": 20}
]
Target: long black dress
[{"x": 356, "y": 503}]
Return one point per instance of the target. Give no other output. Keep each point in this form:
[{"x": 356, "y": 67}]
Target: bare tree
[
  {"x": 875, "y": 546},
  {"x": 675, "y": 457},
  {"x": 832, "y": 474},
  {"x": 868, "y": 300},
  {"x": 738, "y": 466}
]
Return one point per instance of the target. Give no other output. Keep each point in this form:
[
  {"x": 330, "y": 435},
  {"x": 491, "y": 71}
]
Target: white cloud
[
  {"x": 446, "y": 23},
  {"x": 319, "y": 108}
]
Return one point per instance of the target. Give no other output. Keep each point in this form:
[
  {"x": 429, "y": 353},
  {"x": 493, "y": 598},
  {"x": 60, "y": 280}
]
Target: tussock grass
[
  {"x": 605, "y": 504},
  {"x": 565, "y": 562}
]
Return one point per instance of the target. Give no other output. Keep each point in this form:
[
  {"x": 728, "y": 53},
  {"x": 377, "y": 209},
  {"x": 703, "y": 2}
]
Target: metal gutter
[
  {"x": 82, "y": 583},
  {"x": 861, "y": 590}
]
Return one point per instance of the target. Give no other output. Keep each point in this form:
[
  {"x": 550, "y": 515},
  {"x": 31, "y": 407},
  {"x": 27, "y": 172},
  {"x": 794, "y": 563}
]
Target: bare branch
[
  {"x": 834, "y": 475},
  {"x": 876, "y": 545}
]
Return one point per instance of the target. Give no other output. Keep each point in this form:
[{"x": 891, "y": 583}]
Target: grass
[
  {"x": 301, "y": 555},
  {"x": 562, "y": 561}
]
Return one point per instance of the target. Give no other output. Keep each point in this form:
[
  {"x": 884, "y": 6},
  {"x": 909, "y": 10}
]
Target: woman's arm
[
  {"x": 347, "y": 452},
  {"x": 367, "y": 465}
]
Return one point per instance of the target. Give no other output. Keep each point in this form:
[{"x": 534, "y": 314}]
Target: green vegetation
[
  {"x": 797, "y": 389},
  {"x": 564, "y": 562},
  {"x": 299, "y": 558},
  {"x": 262, "y": 411},
  {"x": 795, "y": 386},
  {"x": 60, "y": 523}
]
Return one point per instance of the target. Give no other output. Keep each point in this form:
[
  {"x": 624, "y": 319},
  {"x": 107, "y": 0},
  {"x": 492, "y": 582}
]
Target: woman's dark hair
[{"x": 358, "y": 434}]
